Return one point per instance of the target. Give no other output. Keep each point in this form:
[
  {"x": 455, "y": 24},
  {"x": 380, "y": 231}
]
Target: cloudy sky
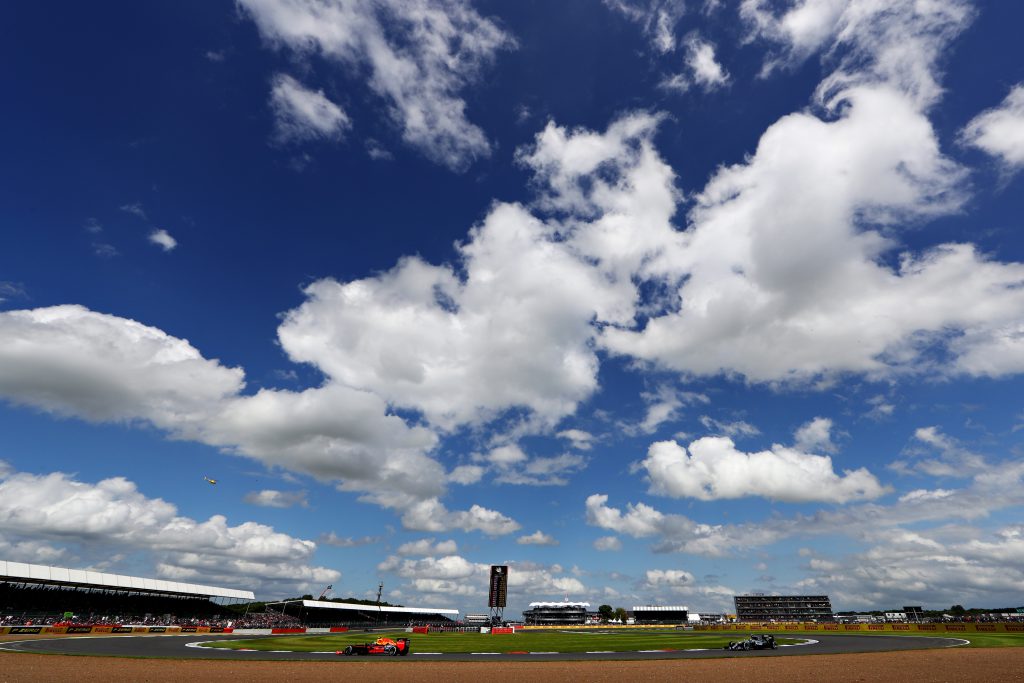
[{"x": 655, "y": 301}]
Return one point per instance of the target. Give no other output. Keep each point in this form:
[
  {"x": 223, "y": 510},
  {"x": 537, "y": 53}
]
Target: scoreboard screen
[{"x": 499, "y": 586}]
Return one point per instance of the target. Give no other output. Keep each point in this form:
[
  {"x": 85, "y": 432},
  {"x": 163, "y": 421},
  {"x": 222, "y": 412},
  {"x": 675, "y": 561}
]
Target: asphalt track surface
[{"x": 186, "y": 647}]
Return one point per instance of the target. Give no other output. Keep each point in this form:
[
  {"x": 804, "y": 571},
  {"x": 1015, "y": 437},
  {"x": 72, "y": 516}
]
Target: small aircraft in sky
[{"x": 210, "y": 481}]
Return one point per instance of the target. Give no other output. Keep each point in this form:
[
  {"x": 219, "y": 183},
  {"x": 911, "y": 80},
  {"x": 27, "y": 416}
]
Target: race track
[{"x": 186, "y": 647}]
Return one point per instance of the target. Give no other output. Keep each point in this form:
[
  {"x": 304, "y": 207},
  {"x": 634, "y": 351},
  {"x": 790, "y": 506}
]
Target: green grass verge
[
  {"x": 976, "y": 639},
  {"x": 524, "y": 641},
  {"x": 572, "y": 641}
]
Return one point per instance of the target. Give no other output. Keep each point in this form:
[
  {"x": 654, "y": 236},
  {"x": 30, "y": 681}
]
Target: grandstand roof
[
  {"x": 326, "y": 604},
  {"x": 660, "y": 608},
  {"x": 559, "y": 604},
  {"x": 83, "y": 578}
]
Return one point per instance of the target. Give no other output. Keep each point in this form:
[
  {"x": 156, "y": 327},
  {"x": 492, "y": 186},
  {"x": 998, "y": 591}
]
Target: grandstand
[
  {"x": 329, "y": 612},
  {"x": 660, "y": 614},
  {"x": 556, "y": 613},
  {"x": 42, "y": 594},
  {"x": 759, "y": 607}
]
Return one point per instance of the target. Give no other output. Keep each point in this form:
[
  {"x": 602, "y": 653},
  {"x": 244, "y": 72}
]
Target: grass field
[
  {"x": 561, "y": 641},
  {"x": 525, "y": 641},
  {"x": 976, "y": 639}
]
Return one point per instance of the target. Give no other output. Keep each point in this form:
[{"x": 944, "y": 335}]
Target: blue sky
[{"x": 655, "y": 302}]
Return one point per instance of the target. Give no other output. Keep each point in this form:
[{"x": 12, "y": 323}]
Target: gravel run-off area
[{"x": 998, "y": 664}]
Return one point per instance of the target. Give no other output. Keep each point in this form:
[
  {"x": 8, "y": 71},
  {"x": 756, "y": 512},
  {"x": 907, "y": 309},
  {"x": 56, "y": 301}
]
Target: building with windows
[
  {"x": 783, "y": 608},
  {"x": 660, "y": 614},
  {"x": 556, "y": 613}
]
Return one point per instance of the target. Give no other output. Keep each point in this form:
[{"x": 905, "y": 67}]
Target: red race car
[{"x": 392, "y": 647}]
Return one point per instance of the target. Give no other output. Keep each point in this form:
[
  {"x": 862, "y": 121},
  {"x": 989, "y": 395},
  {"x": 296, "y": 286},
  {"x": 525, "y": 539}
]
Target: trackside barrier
[
  {"x": 420, "y": 629},
  {"x": 276, "y": 631},
  {"x": 603, "y": 627},
  {"x": 83, "y": 630},
  {"x": 339, "y": 629},
  {"x": 502, "y": 630},
  {"x": 318, "y": 630},
  {"x": 252, "y": 631}
]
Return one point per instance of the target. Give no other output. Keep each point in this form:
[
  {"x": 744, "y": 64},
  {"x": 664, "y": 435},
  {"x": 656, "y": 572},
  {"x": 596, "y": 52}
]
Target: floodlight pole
[{"x": 380, "y": 589}]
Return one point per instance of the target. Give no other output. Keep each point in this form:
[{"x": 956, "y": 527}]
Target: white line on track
[{"x": 485, "y": 653}]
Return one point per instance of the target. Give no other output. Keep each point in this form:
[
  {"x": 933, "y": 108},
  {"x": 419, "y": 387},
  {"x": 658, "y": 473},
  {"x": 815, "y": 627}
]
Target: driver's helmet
[{"x": 385, "y": 641}]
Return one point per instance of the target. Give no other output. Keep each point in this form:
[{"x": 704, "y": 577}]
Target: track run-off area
[{"x": 197, "y": 647}]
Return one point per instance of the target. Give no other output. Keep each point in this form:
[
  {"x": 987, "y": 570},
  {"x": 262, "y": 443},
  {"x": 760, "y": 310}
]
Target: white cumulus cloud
[
  {"x": 112, "y": 515},
  {"x": 277, "y": 499},
  {"x": 713, "y": 469},
  {"x": 702, "y": 68},
  {"x": 608, "y": 544},
  {"x": 537, "y": 538},
  {"x": 432, "y": 515},
  {"x": 673, "y": 578},
  {"x": 1000, "y": 131},
  {"x": 815, "y": 436},
  {"x": 428, "y": 547},
  {"x": 788, "y": 285},
  {"x": 301, "y": 114},
  {"x": 417, "y": 56},
  {"x": 163, "y": 239},
  {"x": 73, "y": 361}
]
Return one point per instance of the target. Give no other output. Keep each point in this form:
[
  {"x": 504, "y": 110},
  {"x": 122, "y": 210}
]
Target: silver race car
[{"x": 765, "y": 642}]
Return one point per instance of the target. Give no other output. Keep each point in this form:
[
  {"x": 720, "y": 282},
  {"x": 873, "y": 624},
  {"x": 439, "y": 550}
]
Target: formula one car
[
  {"x": 391, "y": 647},
  {"x": 765, "y": 642}
]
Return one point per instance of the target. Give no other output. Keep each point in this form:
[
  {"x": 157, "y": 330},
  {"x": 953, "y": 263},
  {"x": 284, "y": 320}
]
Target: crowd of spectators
[
  {"x": 974, "y": 619},
  {"x": 252, "y": 620},
  {"x": 989, "y": 618},
  {"x": 41, "y": 605},
  {"x": 448, "y": 626},
  {"x": 265, "y": 620}
]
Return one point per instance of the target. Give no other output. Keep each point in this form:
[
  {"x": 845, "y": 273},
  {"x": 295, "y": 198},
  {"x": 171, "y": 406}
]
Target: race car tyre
[
  {"x": 774, "y": 646},
  {"x": 746, "y": 646},
  {"x": 390, "y": 650},
  {"x": 348, "y": 651}
]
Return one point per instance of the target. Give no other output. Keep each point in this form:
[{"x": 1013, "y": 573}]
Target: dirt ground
[{"x": 920, "y": 666}]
